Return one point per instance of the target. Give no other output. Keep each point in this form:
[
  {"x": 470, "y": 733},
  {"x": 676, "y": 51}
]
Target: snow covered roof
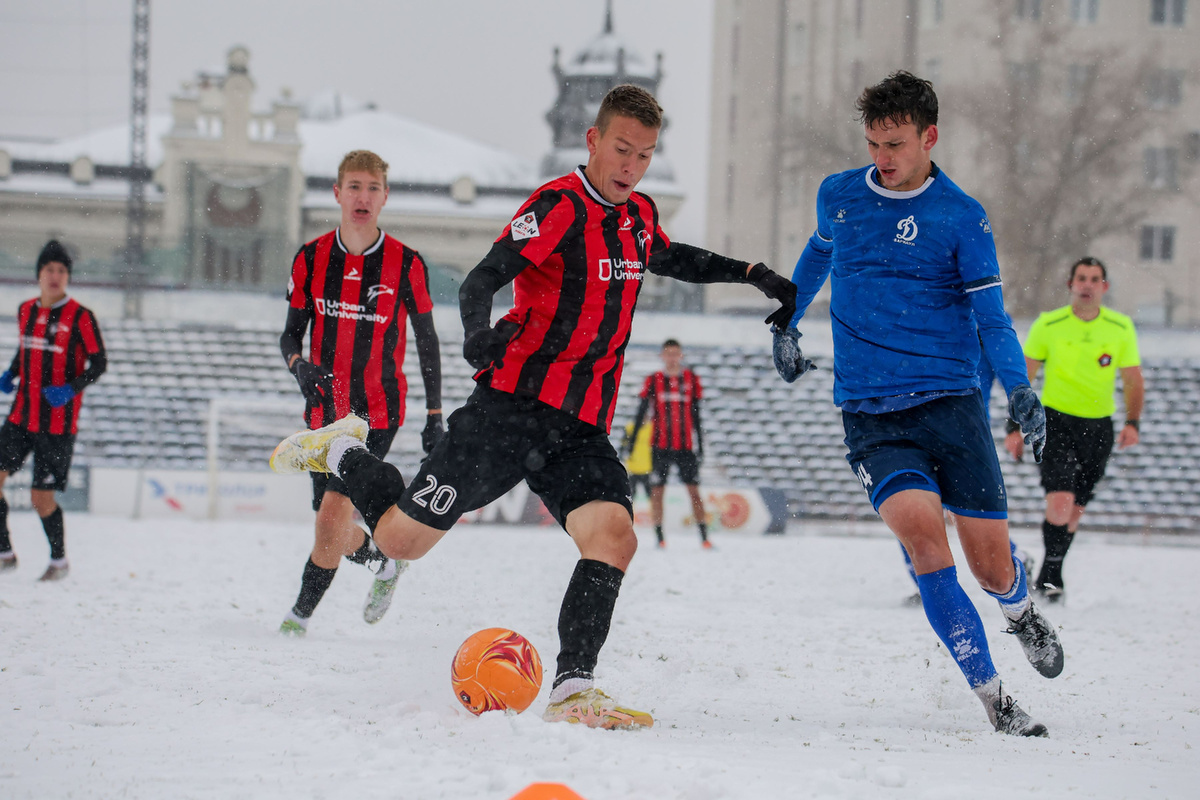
[
  {"x": 104, "y": 146},
  {"x": 415, "y": 152},
  {"x": 600, "y": 58}
]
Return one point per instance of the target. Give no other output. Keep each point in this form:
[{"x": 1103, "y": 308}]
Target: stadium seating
[{"x": 151, "y": 410}]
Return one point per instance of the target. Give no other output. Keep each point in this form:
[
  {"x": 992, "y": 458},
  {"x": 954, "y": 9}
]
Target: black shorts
[
  {"x": 52, "y": 453},
  {"x": 498, "y": 439},
  {"x": 685, "y": 460},
  {"x": 639, "y": 479},
  {"x": 378, "y": 442},
  {"x": 1076, "y": 454}
]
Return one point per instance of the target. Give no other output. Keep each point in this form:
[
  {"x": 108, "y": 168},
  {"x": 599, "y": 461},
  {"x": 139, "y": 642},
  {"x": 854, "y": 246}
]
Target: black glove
[
  {"x": 432, "y": 432},
  {"x": 485, "y": 347},
  {"x": 1026, "y": 410},
  {"x": 316, "y": 382},
  {"x": 777, "y": 287},
  {"x": 790, "y": 362}
]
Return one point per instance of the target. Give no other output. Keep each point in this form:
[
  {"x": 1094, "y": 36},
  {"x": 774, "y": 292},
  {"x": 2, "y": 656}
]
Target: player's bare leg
[
  {"x": 699, "y": 514},
  {"x": 656, "y": 513}
]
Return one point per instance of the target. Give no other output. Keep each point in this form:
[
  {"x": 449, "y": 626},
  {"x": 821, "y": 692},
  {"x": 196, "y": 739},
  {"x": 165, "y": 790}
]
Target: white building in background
[
  {"x": 787, "y": 72},
  {"x": 235, "y": 191}
]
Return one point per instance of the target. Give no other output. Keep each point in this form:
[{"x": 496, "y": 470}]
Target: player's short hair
[
  {"x": 362, "y": 161},
  {"x": 1088, "y": 261},
  {"x": 899, "y": 98},
  {"x": 671, "y": 343},
  {"x": 631, "y": 101}
]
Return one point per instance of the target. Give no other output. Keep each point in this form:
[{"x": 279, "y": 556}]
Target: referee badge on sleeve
[{"x": 524, "y": 227}]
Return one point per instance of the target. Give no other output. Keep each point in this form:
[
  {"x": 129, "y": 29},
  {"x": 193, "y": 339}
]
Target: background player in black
[
  {"x": 60, "y": 352},
  {"x": 677, "y": 440},
  {"x": 356, "y": 277},
  {"x": 576, "y": 250}
]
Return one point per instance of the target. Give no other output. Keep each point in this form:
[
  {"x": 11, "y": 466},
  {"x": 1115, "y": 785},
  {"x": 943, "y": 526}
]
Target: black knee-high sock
[
  {"x": 374, "y": 486},
  {"x": 368, "y": 554},
  {"x": 586, "y": 614},
  {"x": 56, "y": 534},
  {"x": 312, "y": 588},
  {"x": 5, "y": 544},
  {"x": 1057, "y": 540},
  {"x": 703, "y": 531}
]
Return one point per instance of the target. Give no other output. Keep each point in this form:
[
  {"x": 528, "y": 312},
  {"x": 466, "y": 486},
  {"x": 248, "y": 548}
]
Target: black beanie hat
[{"x": 53, "y": 251}]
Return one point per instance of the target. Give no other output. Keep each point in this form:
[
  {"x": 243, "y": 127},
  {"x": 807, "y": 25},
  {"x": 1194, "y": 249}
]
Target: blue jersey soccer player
[{"x": 916, "y": 290}]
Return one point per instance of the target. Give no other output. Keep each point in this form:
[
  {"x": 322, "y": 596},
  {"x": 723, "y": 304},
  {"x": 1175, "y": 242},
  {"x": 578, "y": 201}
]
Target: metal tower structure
[{"x": 135, "y": 224}]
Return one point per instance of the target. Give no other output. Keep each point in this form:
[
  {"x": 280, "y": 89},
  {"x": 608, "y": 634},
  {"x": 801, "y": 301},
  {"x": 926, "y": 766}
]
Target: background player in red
[
  {"x": 675, "y": 394},
  {"x": 352, "y": 290},
  {"x": 60, "y": 352},
  {"x": 576, "y": 253}
]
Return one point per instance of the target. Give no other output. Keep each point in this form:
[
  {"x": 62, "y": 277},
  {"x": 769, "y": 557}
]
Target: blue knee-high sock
[
  {"x": 912, "y": 572},
  {"x": 957, "y": 624},
  {"x": 1014, "y": 601}
]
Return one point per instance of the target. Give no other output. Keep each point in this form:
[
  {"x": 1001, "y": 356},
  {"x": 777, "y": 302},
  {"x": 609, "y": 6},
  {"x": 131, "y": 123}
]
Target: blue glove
[
  {"x": 58, "y": 396},
  {"x": 1026, "y": 410},
  {"x": 7, "y": 382},
  {"x": 790, "y": 362}
]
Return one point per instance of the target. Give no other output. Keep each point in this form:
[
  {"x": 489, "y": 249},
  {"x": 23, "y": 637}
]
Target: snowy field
[{"x": 775, "y": 667}]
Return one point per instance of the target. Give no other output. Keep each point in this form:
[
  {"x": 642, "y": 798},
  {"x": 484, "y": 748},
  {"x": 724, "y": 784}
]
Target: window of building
[
  {"x": 1025, "y": 77},
  {"x": 1168, "y": 12},
  {"x": 932, "y": 13},
  {"x": 1158, "y": 243},
  {"x": 1164, "y": 88},
  {"x": 1079, "y": 80},
  {"x": 1028, "y": 9},
  {"x": 729, "y": 192},
  {"x": 933, "y": 71},
  {"x": 1193, "y": 145},
  {"x": 733, "y": 50},
  {"x": 732, "y": 117},
  {"x": 797, "y": 45},
  {"x": 860, "y": 12},
  {"x": 1161, "y": 167},
  {"x": 1085, "y": 12}
]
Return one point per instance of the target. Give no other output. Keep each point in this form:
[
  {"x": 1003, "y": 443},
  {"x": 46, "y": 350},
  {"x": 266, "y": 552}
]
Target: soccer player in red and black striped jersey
[
  {"x": 576, "y": 252},
  {"x": 60, "y": 352},
  {"x": 354, "y": 290},
  {"x": 675, "y": 394}
]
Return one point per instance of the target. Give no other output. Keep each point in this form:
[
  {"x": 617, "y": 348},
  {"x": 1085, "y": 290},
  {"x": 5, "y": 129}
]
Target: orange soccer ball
[{"x": 496, "y": 669}]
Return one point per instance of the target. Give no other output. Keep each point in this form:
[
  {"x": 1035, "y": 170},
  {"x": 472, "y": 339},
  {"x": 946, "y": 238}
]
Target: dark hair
[
  {"x": 631, "y": 101},
  {"x": 1088, "y": 261},
  {"x": 53, "y": 251},
  {"x": 671, "y": 343},
  {"x": 899, "y": 98}
]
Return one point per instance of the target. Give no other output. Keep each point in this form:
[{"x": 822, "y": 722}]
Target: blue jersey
[{"x": 915, "y": 289}]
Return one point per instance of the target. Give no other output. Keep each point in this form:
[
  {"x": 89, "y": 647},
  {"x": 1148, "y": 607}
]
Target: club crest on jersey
[
  {"x": 1104, "y": 360},
  {"x": 373, "y": 292},
  {"x": 524, "y": 227},
  {"x": 908, "y": 230},
  {"x": 643, "y": 237},
  {"x": 619, "y": 269},
  {"x": 987, "y": 226}
]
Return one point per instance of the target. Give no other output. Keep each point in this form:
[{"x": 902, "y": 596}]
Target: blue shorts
[{"x": 942, "y": 446}]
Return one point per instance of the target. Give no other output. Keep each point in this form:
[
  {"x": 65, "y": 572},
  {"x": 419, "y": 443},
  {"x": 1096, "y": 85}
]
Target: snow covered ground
[{"x": 776, "y": 667}]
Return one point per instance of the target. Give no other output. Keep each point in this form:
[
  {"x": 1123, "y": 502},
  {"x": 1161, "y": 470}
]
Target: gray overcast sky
[{"x": 476, "y": 67}]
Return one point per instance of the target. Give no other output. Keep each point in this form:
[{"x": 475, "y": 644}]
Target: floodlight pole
[{"x": 135, "y": 217}]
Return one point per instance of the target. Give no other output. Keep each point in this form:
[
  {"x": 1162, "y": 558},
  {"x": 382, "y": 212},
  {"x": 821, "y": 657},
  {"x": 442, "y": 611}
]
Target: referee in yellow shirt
[{"x": 1082, "y": 346}]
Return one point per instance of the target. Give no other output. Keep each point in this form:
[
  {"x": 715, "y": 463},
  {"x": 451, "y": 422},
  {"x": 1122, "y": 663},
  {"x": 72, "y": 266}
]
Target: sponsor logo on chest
[
  {"x": 619, "y": 269},
  {"x": 355, "y": 311}
]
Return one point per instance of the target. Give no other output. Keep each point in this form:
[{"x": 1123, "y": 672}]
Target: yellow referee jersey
[{"x": 1082, "y": 358}]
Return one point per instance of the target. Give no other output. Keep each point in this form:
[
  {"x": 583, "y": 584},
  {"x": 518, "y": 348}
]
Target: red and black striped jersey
[
  {"x": 573, "y": 307},
  {"x": 357, "y": 309},
  {"x": 674, "y": 401},
  {"x": 59, "y": 345}
]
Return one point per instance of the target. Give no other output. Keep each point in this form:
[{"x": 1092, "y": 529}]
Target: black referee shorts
[
  {"x": 1076, "y": 454},
  {"x": 498, "y": 439},
  {"x": 52, "y": 454},
  {"x": 379, "y": 442}
]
